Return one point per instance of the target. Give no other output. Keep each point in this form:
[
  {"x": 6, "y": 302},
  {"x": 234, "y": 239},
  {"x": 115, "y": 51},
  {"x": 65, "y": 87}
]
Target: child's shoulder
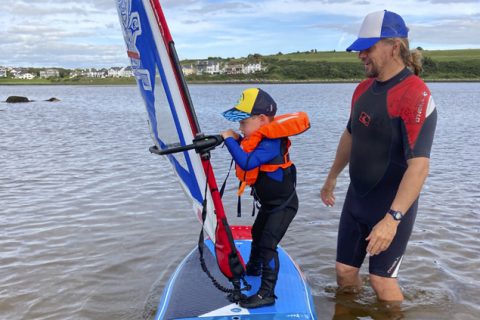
[{"x": 269, "y": 142}]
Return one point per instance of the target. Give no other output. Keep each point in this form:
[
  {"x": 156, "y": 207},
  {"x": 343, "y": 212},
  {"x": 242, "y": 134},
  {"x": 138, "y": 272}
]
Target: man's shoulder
[
  {"x": 361, "y": 88},
  {"x": 364, "y": 84},
  {"x": 412, "y": 84}
]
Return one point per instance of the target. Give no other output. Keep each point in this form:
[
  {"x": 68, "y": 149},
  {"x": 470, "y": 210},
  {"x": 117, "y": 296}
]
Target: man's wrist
[{"x": 396, "y": 214}]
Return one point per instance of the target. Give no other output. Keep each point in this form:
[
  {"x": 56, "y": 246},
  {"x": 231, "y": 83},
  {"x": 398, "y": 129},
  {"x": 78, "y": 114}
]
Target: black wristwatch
[{"x": 397, "y": 215}]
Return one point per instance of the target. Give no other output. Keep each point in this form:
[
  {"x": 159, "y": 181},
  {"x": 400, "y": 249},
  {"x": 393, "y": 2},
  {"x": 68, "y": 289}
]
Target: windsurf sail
[{"x": 173, "y": 123}]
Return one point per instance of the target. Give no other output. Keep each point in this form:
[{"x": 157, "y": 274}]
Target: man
[{"x": 387, "y": 145}]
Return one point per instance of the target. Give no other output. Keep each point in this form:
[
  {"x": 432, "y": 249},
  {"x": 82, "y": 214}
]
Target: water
[{"x": 92, "y": 225}]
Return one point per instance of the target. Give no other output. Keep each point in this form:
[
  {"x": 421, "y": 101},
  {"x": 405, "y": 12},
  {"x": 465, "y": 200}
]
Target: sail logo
[{"x": 132, "y": 29}]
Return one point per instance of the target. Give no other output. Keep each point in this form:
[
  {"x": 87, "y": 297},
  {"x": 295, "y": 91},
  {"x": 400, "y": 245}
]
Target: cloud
[{"x": 80, "y": 34}]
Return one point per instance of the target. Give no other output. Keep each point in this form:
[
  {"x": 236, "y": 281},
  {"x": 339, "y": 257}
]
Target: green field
[
  {"x": 343, "y": 56},
  {"x": 327, "y": 66}
]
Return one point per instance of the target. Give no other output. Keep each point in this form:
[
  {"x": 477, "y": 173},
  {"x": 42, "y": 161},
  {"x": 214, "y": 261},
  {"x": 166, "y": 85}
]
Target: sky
[{"x": 79, "y": 34}]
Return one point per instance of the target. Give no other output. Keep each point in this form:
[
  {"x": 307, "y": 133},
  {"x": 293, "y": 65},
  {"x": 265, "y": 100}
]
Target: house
[
  {"x": 188, "y": 70},
  {"x": 93, "y": 73},
  {"x": 208, "y": 66},
  {"x": 234, "y": 69},
  {"x": 118, "y": 72},
  {"x": 49, "y": 73},
  {"x": 24, "y": 76},
  {"x": 114, "y": 72},
  {"x": 3, "y": 72},
  {"x": 126, "y": 72},
  {"x": 253, "y": 67}
]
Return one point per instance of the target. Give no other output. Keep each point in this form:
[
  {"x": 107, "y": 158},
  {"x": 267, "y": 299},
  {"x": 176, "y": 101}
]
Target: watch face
[{"x": 397, "y": 215}]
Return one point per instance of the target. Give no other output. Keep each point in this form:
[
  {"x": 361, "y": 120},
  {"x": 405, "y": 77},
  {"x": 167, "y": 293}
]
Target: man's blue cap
[{"x": 379, "y": 25}]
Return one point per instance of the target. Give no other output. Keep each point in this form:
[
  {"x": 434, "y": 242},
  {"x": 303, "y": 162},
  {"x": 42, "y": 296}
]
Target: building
[
  {"x": 118, "y": 72},
  {"x": 253, "y": 67},
  {"x": 49, "y": 73},
  {"x": 94, "y": 73},
  {"x": 24, "y": 76},
  {"x": 234, "y": 69},
  {"x": 114, "y": 72},
  {"x": 208, "y": 66},
  {"x": 126, "y": 72},
  {"x": 3, "y": 72},
  {"x": 188, "y": 70}
]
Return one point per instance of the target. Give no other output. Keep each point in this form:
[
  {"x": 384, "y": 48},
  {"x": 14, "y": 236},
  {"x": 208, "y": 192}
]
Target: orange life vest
[{"x": 282, "y": 126}]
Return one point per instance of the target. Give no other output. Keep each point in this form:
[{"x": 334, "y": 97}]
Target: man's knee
[
  {"x": 347, "y": 275},
  {"x": 387, "y": 289}
]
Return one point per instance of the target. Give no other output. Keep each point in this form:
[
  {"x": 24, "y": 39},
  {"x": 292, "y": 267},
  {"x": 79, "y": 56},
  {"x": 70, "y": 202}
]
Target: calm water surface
[{"x": 92, "y": 225}]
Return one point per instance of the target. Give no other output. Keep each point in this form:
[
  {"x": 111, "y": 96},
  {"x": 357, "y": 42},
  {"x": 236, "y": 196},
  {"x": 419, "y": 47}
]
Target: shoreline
[{"x": 223, "y": 82}]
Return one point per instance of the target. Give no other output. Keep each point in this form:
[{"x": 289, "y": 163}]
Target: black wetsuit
[
  {"x": 390, "y": 123},
  {"x": 275, "y": 191}
]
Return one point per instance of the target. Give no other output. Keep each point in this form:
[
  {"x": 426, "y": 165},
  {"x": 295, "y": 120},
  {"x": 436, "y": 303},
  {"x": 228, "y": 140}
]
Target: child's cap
[
  {"x": 253, "y": 101},
  {"x": 379, "y": 25}
]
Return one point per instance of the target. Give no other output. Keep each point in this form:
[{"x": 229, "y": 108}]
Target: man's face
[{"x": 376, "y": 58}]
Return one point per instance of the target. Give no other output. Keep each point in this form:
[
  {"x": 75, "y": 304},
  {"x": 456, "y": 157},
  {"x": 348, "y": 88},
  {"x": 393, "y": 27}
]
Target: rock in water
[
  {"x": 53, "y": 99},
  {"x": 15, "y": 99}
]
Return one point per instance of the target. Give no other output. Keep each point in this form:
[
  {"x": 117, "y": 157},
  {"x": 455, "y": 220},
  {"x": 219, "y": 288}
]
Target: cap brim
[
  {"x": 235, "y": 115},
  {"x": 363, "y": 44}
]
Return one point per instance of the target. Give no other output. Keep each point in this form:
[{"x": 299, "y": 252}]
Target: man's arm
[
  {"x": 412, "y": 182},
  {"x": 342, "y": 157}
]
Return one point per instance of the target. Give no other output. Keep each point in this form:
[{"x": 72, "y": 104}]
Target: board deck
[{"x": 190, "y": 294}]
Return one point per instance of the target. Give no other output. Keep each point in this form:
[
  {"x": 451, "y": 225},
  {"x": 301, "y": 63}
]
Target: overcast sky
[{"x": 70, "y": 34}]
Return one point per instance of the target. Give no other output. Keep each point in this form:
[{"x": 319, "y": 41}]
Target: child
[{"x": 262, "y": 162}]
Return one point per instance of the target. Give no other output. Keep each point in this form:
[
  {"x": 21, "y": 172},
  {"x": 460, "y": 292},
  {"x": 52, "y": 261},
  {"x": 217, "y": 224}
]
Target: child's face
[{"x": 252, "y": 124}]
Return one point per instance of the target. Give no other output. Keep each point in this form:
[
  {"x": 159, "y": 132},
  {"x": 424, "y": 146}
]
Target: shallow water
[{"x": 92, "y": 224}]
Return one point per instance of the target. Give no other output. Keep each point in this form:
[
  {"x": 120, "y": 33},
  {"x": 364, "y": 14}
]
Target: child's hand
[{"x": 230, "y": 133}]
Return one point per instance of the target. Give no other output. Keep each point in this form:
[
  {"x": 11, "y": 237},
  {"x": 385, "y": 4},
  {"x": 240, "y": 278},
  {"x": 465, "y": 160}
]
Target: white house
[
  {"x": 117, "y": 72},
  {"x": 253, "y": 67},
  {"x": 49, "y": 73},
  {"x": 114, "y": 72},
  {"x": 93, "y": 73},
  {"x": 25, "y": 76},
  {"x": 126, "y": 72},
  {"x": 208, "y": 66},
  {"x": 213, "y": 68},
  {"x": 3, "y": 72}
]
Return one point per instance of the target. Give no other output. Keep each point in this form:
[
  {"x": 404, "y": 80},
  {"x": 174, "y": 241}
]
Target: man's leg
[
  {"x": 348, "y": 278},
  {"x": 387, "y": 289},
  {"x": 351, "y": 249},
  {"x": 384, "y": 268}
]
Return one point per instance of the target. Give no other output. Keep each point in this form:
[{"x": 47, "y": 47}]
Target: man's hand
[
  {"x": 382, "y": 235},
  {"x": 230, "y": 133},
  {"x": 326, "y": 193}
]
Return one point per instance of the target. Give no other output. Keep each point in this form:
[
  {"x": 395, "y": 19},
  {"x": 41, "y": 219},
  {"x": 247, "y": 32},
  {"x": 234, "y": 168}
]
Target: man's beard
[{"x": 372, "y": 73}]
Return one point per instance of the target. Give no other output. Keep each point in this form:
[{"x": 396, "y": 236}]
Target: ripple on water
[{"x": 93, "y": 225}]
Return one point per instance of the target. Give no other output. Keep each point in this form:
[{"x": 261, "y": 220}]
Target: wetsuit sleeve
[
  {"x": 419, "y": 119},
  {"x": 263, "y": 153}
]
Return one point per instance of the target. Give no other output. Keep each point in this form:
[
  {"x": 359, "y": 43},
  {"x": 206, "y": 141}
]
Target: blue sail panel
[{"x": 167, "y": 117}]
